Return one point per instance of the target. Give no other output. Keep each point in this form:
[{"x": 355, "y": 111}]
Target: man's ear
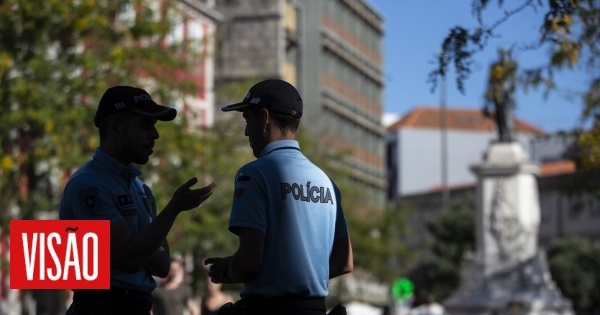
[
  {"x": 114, "y": 127},
  {"x": 264, "y": 117}
]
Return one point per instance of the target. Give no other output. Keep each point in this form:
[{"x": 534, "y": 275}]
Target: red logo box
[{"x": 60, "y": 254}]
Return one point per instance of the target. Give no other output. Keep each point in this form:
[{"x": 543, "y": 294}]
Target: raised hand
[{"x": 186, "y": 198}]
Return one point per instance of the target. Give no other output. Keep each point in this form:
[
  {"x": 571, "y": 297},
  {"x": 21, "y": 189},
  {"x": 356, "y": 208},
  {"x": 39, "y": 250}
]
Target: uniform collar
[
  {"x": 115, "y": 167},
  {"x": 280, "y": 144}
]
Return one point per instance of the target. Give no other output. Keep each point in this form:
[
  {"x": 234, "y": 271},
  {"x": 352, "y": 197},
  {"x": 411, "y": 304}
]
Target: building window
[
  {"x": 576, "y": 206},
  {"x": 594, "y": 206},
  {"x": 545, "y": 209}
]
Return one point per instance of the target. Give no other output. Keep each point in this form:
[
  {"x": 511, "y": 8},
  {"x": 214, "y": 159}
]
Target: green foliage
[
  {"x": 56, "y": 59},
  {"x": 374, "y": 233},
  {"x": 453, "y": 234},
  {"x": 575, "y": 267},
  {"x": 569, "y": 30},
  {"x": 588, "y": 144},
  {"x": 456, "y": 50}
]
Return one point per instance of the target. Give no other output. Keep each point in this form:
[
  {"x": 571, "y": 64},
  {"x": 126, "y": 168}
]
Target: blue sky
[{"x": 414, "y": 31}]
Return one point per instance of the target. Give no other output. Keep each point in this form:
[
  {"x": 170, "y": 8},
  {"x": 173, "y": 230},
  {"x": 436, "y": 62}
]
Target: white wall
[{"x": 419, "y": 159}]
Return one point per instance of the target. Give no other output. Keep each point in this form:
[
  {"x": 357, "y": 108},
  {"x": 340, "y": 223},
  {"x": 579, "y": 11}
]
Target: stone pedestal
[{"x": 507, "y": 273}]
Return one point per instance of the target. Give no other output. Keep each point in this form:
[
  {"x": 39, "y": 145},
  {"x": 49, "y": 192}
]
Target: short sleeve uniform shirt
[
  {"x": 105, "y": 189},
  {"x": 296, "y": 205}
]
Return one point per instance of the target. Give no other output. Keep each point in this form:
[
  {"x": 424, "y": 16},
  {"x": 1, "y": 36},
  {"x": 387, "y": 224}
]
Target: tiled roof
[
  {"x": 458, "y": 119},
  {"x": 557, "y": 168}
]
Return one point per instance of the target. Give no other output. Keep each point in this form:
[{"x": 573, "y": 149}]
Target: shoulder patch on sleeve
[
  {"x": 124, "y": 200},
  {"x": 90, "y": 201},
  {"x": 89, "y": 197},
  {"x": 243, "y": 178},
  {"x": 239, "y": 192}
]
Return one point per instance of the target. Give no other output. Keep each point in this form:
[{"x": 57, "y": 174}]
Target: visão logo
[{"x": 60, "y": 254}]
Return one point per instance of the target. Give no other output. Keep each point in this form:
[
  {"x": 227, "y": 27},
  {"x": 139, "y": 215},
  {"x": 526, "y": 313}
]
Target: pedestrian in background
[
  {"x": 286, "y": 212},
  {"x": 174, "y": 296},
  {"x": 50, "y": 302},
  {"x": 430, "y": 307},
  {"x": 213, "y": 298}
]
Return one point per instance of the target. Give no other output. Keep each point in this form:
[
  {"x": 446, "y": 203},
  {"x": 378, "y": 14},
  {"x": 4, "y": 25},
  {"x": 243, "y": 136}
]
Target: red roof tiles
[{"x": 458, "y": 119}]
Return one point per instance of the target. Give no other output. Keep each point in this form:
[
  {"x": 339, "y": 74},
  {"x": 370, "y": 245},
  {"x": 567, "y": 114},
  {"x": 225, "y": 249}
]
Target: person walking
[
  {"x": 286, "y": 212},
  {"x": 108, "y": 187},
  {"x": 430, "y": 307},
  {"x": 174, "y": 296},
  {"x": 213, "y": 298}
]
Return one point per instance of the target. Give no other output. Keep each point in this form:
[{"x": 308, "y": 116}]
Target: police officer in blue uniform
[
  {"x": 108, "y": 187},
  {"x": 286, "y": 212}
]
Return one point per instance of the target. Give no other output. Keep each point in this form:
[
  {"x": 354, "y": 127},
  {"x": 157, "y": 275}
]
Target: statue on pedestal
[
  {"x": 500, "y": 95},
  {"x": 507, "y": 271}
]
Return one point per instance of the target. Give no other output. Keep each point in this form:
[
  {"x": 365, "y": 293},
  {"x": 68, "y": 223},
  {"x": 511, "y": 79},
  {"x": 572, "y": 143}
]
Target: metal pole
[{"x": 444, "y": 143}]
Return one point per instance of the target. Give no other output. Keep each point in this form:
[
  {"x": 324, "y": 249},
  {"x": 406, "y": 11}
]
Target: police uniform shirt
[
  {"x": 105, "y": 189},
  {"x": 296, "y": 205}
]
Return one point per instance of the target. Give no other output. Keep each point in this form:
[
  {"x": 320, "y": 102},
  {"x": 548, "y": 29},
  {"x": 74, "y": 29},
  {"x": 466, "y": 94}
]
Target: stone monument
[{"x": 508, "y": 273}]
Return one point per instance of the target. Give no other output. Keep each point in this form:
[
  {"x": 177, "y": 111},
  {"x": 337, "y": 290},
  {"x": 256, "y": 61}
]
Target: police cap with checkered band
[
  {"x": 273, "y": 94},
  {"x": 127, "y": 98}
]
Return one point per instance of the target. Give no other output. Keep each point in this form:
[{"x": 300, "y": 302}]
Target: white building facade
[
  {"x": 568, "y": 202},
  {"x": 416, "y": 152}
]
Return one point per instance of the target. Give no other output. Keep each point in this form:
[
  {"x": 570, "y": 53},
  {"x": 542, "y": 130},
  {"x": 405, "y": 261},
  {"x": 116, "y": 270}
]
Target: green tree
[
  {"x": 56, "y": 59},
  {"x": 453, "y": 234},
  {"x": 575, "y": 267},
  {"x": 569, "y": 32}
]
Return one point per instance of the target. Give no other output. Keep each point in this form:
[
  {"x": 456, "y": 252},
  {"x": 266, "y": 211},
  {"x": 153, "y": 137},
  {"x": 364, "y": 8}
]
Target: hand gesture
[
  {"x": 218, "y": 269},
  {"x": 185, "y": 198}
]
